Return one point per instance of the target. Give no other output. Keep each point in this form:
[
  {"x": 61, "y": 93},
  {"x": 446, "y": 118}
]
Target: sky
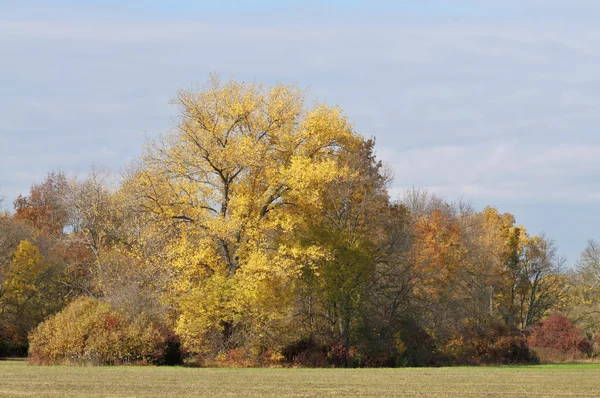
[{"x": 497, "y": 103}]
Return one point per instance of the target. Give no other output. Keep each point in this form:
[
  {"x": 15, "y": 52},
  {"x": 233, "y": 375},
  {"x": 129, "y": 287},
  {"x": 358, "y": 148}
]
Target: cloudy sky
[{"x": 497, "y": 102}]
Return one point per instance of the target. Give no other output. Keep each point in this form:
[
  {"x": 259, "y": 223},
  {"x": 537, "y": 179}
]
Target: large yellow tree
[{"x": 236, "y": 182}]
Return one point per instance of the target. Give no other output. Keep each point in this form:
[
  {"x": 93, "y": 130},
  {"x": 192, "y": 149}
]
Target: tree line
[{"x": 260, "y": 231}]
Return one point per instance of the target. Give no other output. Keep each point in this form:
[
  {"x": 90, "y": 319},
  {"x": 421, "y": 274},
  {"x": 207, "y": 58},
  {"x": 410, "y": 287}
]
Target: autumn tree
[
  {"x": 422, "y": 203},
  {"x": 108, "y": 249},
  {"x": 540, "y": 282},
  {"x": 28, "y": 292},
  {"x": 583, "y": 302},
  {"x": 478, "y": 274},
  {"x": 384, "y": 301},
  {"x": 351, "y": 227},
  {"x": 94, "y": 220},
  {"x": 439, "y": 252},
  {"x": 45, "y": 206},
  {"x": 12, "y": 232},
  {"x": 244, "y": 169},
  {"x": 484, "y": 238},
  {"x": 517, "y": 276}
]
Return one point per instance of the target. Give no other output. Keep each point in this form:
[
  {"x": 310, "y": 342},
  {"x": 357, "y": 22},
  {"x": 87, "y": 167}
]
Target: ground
[{"x": 17, "y": 379}]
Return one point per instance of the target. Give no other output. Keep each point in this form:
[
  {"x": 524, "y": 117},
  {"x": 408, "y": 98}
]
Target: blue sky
[{"x": 495, "y": 102}]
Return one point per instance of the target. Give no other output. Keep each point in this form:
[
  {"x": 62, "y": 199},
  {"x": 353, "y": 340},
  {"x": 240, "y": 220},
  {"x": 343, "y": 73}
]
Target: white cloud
[{"x": 502, "y": 172}]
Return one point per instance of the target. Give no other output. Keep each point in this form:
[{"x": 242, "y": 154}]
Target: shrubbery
[
  {"x": 495, "y": 344},
  {"x": 406, "y": 343},
  {"x": 10, "y": 344},
  {"x": 505, "y": 350},
  {"x": 89, "y": 331},
  {"x": 560, "y": 334},
  {"x": 411, "y": 345},
  {"x": 309, "y": 353}
]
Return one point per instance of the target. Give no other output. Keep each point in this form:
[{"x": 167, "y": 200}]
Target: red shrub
[
  {"x": 339, "y": 356},
  {"x": 559, "y": 333}
]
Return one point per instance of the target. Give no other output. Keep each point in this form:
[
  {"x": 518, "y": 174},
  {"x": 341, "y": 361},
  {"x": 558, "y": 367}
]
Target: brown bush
[
  {"x": 306, "y": 353},
  {"x": 495, "y": 344},
  {"x": 549, "y": 355}
]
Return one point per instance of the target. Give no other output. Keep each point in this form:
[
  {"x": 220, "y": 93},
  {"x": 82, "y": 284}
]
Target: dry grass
[
  {"x": 17, "y": 380},
  {"x": 548, "y": 356}
]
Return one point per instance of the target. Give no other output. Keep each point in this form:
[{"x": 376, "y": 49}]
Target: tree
[
  {"x": 583, "y": 304},
  {"x": 589, "y": 262},
  {"x": 45, "y": 205},
  {"x": 540, "y": 282},
  {"x": 95, "y": 220},
  {"x": 245, "y": 168},
  {"x": 421, "y": 203},
  {"x": 491, "y": 265},
  {"x": 12, "y": 233},
  {"x": 28, "y": 292},
  {"x": 351, "y": 227}
]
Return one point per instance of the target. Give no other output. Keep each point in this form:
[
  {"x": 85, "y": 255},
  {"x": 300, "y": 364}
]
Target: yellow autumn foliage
[{"x": 235, "y": 182}]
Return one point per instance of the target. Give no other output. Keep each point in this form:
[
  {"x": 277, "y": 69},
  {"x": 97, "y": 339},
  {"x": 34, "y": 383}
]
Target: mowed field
[{"x": 17, "y": 379}]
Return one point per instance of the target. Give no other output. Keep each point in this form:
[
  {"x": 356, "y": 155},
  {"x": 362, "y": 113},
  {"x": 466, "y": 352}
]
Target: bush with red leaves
[{"x": 559, "y": 333}]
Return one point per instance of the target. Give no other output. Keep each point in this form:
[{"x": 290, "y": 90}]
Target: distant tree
[
  {"x": 540, "y": 283},
  {"x": 12, "y": 233},
  {"x": 490, "y": 239},
  {"x": 45, "y": 206},
  {"x": 590, "y": 260},
  {"x": 583, "y": 304},
  {"x": 422, "y": 203}
]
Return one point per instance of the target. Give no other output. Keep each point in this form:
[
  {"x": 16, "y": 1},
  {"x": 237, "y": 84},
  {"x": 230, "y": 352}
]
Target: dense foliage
[
  {"x": 91, "y": 332},
  {"x": 260, "y": 232},
  {"x": 559, "y": 333}
]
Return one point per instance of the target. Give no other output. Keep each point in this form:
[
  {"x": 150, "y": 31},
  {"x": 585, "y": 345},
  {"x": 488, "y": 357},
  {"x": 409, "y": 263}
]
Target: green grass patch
[{"x": 17, "y": 379}]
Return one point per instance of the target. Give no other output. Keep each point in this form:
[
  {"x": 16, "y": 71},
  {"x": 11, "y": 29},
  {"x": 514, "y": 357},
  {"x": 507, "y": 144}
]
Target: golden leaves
[{"x": 244, "y": 170}]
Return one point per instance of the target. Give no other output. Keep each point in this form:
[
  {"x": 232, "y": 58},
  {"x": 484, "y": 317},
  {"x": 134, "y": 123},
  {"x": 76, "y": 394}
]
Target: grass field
[{"x": 17, "y": 379}]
